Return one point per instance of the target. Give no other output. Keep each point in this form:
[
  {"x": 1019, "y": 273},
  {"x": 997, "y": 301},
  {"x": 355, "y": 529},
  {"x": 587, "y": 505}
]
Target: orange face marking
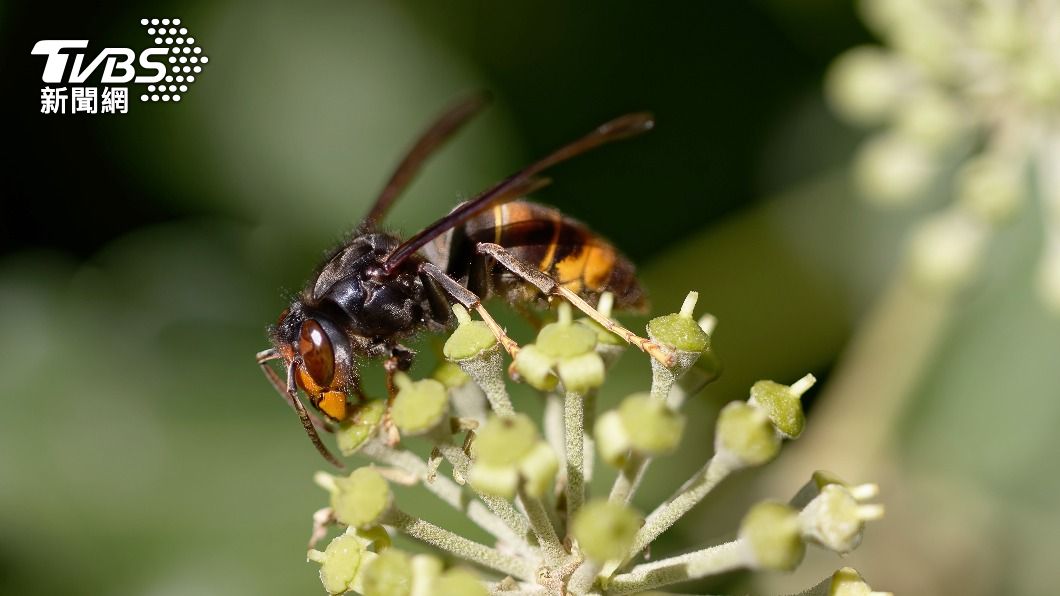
[{"x": 333, "y": 403}]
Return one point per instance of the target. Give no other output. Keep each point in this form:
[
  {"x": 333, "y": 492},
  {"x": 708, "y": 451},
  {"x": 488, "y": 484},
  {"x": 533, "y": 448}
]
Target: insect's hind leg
[
  {"x": 550, "y": 287},
  {"x": 310, "y": 422},
  {"x": 470, "y": 301}
]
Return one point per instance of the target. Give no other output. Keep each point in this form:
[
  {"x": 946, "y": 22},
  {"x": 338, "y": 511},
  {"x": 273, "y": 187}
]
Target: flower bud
[
  {"x": 892, "y": 170},
  {"x": 503, "y": 441},
  {"x": 389, "y": 574},
  {"x": 339, "y": 563},
  {"x": 848, "y": 582},
  {"x": 835, "y": 514},
  {"x": 535, "y": 367},
  {"x": 419, "y": 406},
  {"x": 931, "y": 119},
  {"x": 360, "y": 427},
  {"x": 612, "y": 440},
  {"x": 679, "y": 330},
  {"x": 537, "y": 469},
  {"x": 653, "y": 428},
  {"x": 360, "y": 499},
  {"x": 470, "y": 339},
  {"x": 745, "y": 436},
  {"x": 990, "y": 187},
  {"x": 605, "y": 530},
  {"x": 944, "y": 250},
  {"x": 581, "y": 373},
  {"x": 771, "y": 530},
  {"x": 782, "y": 404},
  {"x": 459, "y": 582},
  {"x": 864, "y": 84},
  {"x": 449, "y": 374},
  {"x": 426, "y": 569}
]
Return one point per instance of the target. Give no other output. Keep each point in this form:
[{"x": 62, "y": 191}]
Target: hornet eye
[{"x": 318, "y": 357}]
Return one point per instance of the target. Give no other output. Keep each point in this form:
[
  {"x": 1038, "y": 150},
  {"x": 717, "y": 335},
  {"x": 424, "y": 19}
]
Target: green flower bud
[
  {"x": 503, "y": 441},
  {"x": 360, "y": 427},
  {"x": 991, "y": 186},
  {"x": 652, "y": 427},
  {"x": 679, "y": 330},
  {"x": 459, "y": 582},
  {"x": 537, "y": 468},
  {"x": 426, "y": 569},
  {"x": 389, "y": 574},
  {"x": 848, "y": 582},
  {"x": 605, "y": 530},
  {"x": 419, "y": 406},
  {"x": 449, "y": 374},
  {"x": 362, "y": 498},
  {"x": 470, "y": 339},
  {"x": 745, "y": 434},
  {"x": 771, "y": 530},
  {"x": 892, "y": 170},
  {"x": 783, "y": 404},
  {"x": 612, "y": 440},
  {"x": 945, "y": 248},
  {"x": 535, "y": 367},
  {"x": 339, "y": 563},
  {"x": 498, "y": 481},
  {"x": 581, "y": 373},
  {"x": 864, "y": 84},
  {"x": 564, "y": 339},
  {"x": 931, "y": 118},
  {"x": 835, "y": 518}
]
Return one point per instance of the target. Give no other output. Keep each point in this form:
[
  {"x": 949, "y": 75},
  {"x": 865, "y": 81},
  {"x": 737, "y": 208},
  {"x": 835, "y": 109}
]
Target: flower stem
[
  {"x": 693, "y": 565},
  {"x": 452, "y": 494},
  {"x": 500, "y": 507},
  {"x": 574, "y": 433},
  {"x": 543, "y": 529},
  {"x": 461, "y": 547},
  {"x": 687, "y": 497}
]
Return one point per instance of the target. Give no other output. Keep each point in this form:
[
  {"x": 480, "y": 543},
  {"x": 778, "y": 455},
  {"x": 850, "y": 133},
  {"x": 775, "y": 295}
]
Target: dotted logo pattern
[{"x": 185, "y": 59}]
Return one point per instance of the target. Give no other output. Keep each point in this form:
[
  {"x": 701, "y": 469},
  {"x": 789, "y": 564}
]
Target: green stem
[
  {"x": 694, "y": 565},
  {"x": 574, "y": 435},
  {"x": 449, "y": 492},
  {"x": 543, "y": 529},
  {"x": 687, "y": 497},
  {"x": 460, "y": 547}
]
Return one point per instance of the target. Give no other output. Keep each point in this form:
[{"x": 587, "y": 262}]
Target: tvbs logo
[
  {"x": 119, "y": 63},
  {"x": 167, "y": 68}
]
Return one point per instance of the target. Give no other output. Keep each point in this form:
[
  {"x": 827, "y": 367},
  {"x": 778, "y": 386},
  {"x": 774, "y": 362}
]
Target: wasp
[{"x": 376, "y": 289}]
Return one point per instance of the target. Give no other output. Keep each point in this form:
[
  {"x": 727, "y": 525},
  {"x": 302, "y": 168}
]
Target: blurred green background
[{"x": 143, "y": 255}]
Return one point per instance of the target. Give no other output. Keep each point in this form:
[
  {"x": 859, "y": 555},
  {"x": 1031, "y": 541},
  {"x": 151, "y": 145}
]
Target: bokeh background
[{"x": 143, "y": 255}]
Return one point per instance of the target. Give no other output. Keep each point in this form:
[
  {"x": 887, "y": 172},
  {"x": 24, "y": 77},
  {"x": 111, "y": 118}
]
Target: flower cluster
[
  {"x": 969, "y": 94},
  {"x": 529, "y": 489}
]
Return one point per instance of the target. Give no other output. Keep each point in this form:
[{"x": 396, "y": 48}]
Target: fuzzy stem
[
  {"x": 500, "y": 507},
  {"x": 543, "y": 529},
  {"x": 449, "y": 492},
  {"x": 687, "y": 497},
  {"x": 574, "y": 434},
  {"x": 461, "y": 547},
  {"x": 693, "y": 565},
  {"x": 487, "y": 370},
  {"x": 553, "y": 422}
]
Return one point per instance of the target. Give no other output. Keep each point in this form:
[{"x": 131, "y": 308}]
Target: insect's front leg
[
  {"x": 470, "y": 301},
  {"x": 310, "y": 422},
  {"x": 550, "y": 287}
]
